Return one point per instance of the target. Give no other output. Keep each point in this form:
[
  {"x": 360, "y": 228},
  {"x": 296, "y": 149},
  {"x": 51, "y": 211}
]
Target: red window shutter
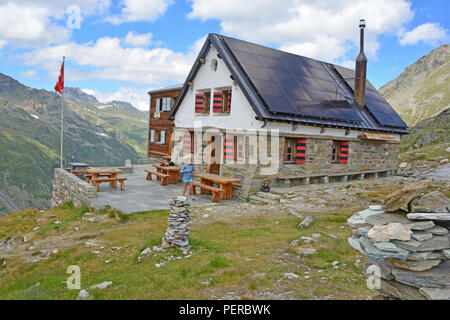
[
  {"x": 301, "y": 151},
  {"x": 217, "y": 102},
  {"x": 228, "y": 107},
  {"x": 344, "y": 152},
  {"x": 199, "y": 103},
  {"x": 228, "y": 148},
  {"x": 187, "y": 143}
]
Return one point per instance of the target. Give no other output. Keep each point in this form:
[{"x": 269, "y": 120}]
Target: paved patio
[{"x": 142, "y": 195}]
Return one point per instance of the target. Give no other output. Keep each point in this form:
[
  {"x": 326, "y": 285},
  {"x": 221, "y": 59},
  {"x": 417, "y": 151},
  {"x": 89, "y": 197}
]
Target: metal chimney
[{"x": 361, "y": 69}]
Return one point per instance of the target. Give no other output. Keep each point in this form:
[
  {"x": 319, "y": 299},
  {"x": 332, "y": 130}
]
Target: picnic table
[
  {"x": 95, "y": 173},
  {"x": 78, "y": 165},
  {"x": 225, "y": 183},
  {"x": 171, "y": 171}
]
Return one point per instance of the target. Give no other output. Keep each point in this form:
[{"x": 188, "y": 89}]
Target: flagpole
[{"x": 62, "y": 122}]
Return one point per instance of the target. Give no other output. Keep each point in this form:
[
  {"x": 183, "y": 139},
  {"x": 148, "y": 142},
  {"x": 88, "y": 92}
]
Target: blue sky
[{"x": 124, "y": 48}]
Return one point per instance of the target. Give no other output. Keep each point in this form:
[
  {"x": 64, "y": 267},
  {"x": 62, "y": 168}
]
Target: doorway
[{"x": 214, "y": 154}]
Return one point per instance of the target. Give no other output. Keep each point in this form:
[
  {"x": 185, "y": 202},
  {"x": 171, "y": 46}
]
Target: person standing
[{"x": 187, "y": 170}]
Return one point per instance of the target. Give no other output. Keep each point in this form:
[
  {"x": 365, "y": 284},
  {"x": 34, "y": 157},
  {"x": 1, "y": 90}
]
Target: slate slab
[
  {"x": 381, "y": 219},
  {"x": 422, "y": 235},
  {"x": 400, "y": 291},
  {"x": 435, "y": 243},
  {"x": 439, "y": 216},
  {"x": 438, "y": 230},
  {"x": 375, "y": 254},
  {"x": 436, "y": 277},
  {"x": 436, "y": 294},
  {"x": 420, "y": 265},
  {"x": 432, "y": 202}
]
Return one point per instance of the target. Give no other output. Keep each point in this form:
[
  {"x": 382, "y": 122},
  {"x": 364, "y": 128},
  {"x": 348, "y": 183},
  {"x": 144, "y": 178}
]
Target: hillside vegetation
[
  {"x": 422, "y": 90},
  {"x": 30, "y": 139}
]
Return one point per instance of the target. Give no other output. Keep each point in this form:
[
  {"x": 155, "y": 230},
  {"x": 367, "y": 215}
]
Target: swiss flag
[{"x": 59, "y": 87}]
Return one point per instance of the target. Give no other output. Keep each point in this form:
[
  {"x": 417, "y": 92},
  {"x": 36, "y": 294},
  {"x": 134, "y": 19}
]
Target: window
[
  {"x": 222, "y": 101},
  {"x": 163, "y": 137},
  {"x": 152, "y": 135},
  {"x": 163, "y": 104},
  {"x": 289, "y": 150},
  {"x": 339, "y": 151},
  {"x": 202, "y": 102},
  {"x": 295, "y": 150}
]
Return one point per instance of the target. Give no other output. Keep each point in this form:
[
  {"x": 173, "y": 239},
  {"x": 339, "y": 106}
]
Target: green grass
[{"x": 248, "y": 255}]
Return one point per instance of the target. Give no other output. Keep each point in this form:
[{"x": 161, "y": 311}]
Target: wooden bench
[
  {"x": 88, "y": 177},
  {"x": 215, "y": 191},
  {"x": 78, "y": 171},
  {"x": 164, "y": 177},
  {"x": 112, "y": 182}
]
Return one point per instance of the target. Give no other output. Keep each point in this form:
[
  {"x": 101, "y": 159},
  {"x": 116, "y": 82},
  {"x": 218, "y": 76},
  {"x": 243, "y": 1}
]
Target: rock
[
  {"x": 422, "y": 235},
  {"x": 89, "y": 236},
  {"x": 416, "y": 256},
  {"x": 146, "y": 251},
  {"x": 181, "y": 198},
  {"x": 375, "y": 254},
  {"x": 102, "y": 285},
  {"x": 446, "y": 253},
  {"x": 436, "y": 294},
  {"x": 432, "y": 202},
  {"x": 403, "y": 165},
  {"x": 295, "y": 242},
  {"x": 414, "y": 265},
  {"x": 438, "y": 230},
  {"x": 435, "y": 243},
  {"x": 386, "y": 246},
  {"x": 443, "y": 161},
  {"x": 205, "y": 216},
  {"x": 364, "y": 231},
  {"x": 355, "y": 244},
  {"x": 290, "y": 275},
  {"x": 161, "y": 264},
  {"x": 331, "y": 236},
  {"x": 316, "y": 235},
  {"x": 335, "y": 263},
  {"x": 389, "y": 232},
  {"x": 306, "y": 222},
  {"x": 306, "y": 239},
  {"x": 436, "y": 277},
  {"x": 400, "y": 291},
  {"x": 306, "y": 251},
  {"x": 84, "y": 295},
  {"x": 440, "y": 216},
  {"x": 375, "y": 208},
  {"x": 358, "y": 219},
  {"x": 401, "y": 198},
  {"x": 381, "y": 219}
]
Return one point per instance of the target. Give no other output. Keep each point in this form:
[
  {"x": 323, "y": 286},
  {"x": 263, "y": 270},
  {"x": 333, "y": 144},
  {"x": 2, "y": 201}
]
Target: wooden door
[{"x": 214, "y": 153}]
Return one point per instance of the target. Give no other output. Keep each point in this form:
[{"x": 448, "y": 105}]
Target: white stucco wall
[{"x": 242, "y": 115}]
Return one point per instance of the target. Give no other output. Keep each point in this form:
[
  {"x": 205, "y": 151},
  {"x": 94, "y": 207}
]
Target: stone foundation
[
  {"x": 367, "y": 159},
  {"x": 68, "y": 187}
]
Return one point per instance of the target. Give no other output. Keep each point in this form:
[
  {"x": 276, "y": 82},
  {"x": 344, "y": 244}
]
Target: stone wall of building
[
  {"x": 68, "y": 187},
  {"x": 364, "y": 155}
]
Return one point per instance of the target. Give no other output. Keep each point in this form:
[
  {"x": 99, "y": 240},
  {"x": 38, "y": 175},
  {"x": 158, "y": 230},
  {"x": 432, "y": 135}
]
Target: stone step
[
  {"x": 268, "y": 195},
  {"x": 260, "y": 200}
]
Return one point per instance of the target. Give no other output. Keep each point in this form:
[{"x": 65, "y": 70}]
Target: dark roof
[
  {"x": 165, "y": 89},
  {"x": 281, "y": 86}
]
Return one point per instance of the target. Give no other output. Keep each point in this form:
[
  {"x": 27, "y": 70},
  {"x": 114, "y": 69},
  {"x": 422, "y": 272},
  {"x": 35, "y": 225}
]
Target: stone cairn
[
  {"x": 408, "y": 239},
  {"x": 177, "y": 234}
]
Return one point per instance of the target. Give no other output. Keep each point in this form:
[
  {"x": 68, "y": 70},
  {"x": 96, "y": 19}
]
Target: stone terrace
[{"x": 141, "y": 195}]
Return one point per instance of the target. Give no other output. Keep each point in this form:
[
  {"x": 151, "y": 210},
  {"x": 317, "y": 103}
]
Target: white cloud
[
  {"x": 324, "y": 29},
  {"x": 138, "y": 40},
  {"x": 107, "y": 59},
  {"x": 429, "y": 33},
  {"x": 29, "y": 23},
  {"x": 29, "y": 73},
  {"x": 140, "y": 10},
  {"x": 137, "y": 97}
]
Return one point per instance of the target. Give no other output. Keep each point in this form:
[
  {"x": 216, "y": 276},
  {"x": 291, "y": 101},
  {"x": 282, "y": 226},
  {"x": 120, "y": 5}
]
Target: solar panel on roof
[{"x": 292, "y": 84}]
